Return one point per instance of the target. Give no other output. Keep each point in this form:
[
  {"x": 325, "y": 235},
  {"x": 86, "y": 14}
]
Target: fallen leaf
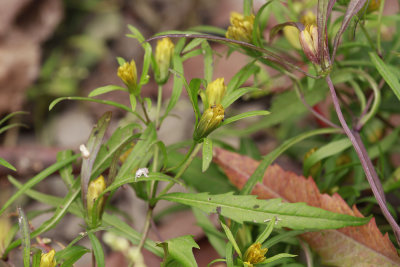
[{"x": 354, "y": 246}]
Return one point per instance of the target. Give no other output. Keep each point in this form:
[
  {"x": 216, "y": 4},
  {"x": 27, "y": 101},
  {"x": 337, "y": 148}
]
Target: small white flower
[
  {"x": 85, "y": 152},
  {"x": 142, "y": 172}
]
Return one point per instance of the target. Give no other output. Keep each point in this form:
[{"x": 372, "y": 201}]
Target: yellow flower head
[
  {"x": 96, "y": 187},
  {"x": 309, "y": 42},
  {"x": 308, "y": 18},
  {"x": 127, "y": 73},
  {"x": 215, "y": 92},
  {"x": 241, "y": 28},
  {"x": 47, "y": 259},
  {"x": 164, "y": 51},
  {"x": 209, "y": 121},
  {"x": 373, "y": 5},
  {"x": 255, "y": 254}
]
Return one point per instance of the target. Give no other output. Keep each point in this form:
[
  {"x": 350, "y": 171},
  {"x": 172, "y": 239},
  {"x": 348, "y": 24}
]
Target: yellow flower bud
[
  {"x": 255, "y": 254},
  {"x": 309, "y": 42},
  {"x": 47, "y": 259},
  {"x": 241, "y": 28},
  {"x": 373, "y": 5},
  {"x": 164, "y": 51},
  {"x": 127, "y": 73},
  {"x": 292, "y": 35},
  {"x": 315, "y": 168},
  {"x": 96, "y": 187},
  {"x": 209, "y": 121},
  {"x": 215, "y": 92},
  {"x": 309, "y": 18}
]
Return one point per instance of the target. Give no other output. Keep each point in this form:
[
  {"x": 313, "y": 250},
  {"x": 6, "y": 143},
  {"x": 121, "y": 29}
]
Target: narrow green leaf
[
  {"x": 241, "y": 76},
  {"x": 37, "y": 179},
  {"x": 36, "y": 258},
  {"x": 231, "y": 239},
  {"x": 216, "y": 260},
  {"x": 66, "y": 172},
  {"x": 245, "y": 115},
  {"x": 247, "y": 208},
  {"x": 97, "y": 250},
  {"x": 326, "y": 151},
  {"x": 25, "y": 236},
  {"x": 259, "y": 172},
  {"x": 10, "y": 126},
  {"x": 207, "y": 153},
  {"x": 281, "y": 237},
  {"x": 192, "y": 44},
  {"x": 235, "y": 95},
  {"x": 105, "y": 102},
  {"x": 121, "y": 61},
  {"x": 193, "y": 91},
  {"x": 106, "y": 89},
  {"x": 3, "y": 120},
  {"x": 267, "y": 231},
  {"x": 181, "y": 250},
  {"x": 6, "y": 164},
  {"x": 209, "y": 29},
  {"x": 70, "y": 255},
  {"x": 277, "y": 257},
  {"x": 178, "y": 77},
  {"x": 391, "y": 79},
  {"x": 208, "y": 61},
  {"x": 93, "y": 146}
]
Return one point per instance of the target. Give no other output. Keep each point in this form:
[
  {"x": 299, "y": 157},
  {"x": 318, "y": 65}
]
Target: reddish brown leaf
[{"x": 350, "y": 246}]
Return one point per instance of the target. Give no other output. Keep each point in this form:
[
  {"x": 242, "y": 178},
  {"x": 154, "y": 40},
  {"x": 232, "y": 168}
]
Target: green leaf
[
  {"x": 259, "y": 172},
  {"x": 66, "y": 172},
  {"x": 13, "y": 125},
  {"x": 209, "y": 29},
  {"x": 245, "y": 115},
  {"x": 138, "y": 153},
  {"x": 235, "y": 95},
  {"x": 37, "y": 179},
  {"x": 277, "y": 257},
  {"x": 208, "y": 61},
  {"x": 70, "y": 255},
  {"x": 25, "y": 236},
  {"x": 97, "y": 250},
  {"x": 241, "y": 76},
  {"x": 181, "y": 250},
  {"x": 105, "y": 102},
  {"x": 239, "y": 208},
  {"x": 267, "y": 231},
  {"x": 231, "y": 239},
  {"x": 36, "y": 258},
  {"x": 193, "y": 91},
  {"x": 121, "y": 61},
  {"x": 192, "y": 44},
  {"x": 93, "y": 146},
  {"x": 178, "y": 78},
  {"x": 6, "y": 164},
  {"x": 326, "y": 151},
  {"x": 391, "y": 79},
  {"x": 106, "y": 89},
  {"x": 207, "y": 153},
  {"x": 3, "y": 120}
]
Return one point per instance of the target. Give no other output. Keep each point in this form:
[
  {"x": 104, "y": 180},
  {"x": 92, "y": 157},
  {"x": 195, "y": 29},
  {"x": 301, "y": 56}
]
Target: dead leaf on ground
[{"x": 357, "y": 246}]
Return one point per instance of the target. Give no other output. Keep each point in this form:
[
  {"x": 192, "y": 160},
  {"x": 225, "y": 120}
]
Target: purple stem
[{"x": 366, "y": 163}]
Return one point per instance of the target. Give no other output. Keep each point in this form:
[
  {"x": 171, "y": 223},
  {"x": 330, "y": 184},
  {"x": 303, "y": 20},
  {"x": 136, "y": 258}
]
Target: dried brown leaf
[{"x": 350, "y": 246}]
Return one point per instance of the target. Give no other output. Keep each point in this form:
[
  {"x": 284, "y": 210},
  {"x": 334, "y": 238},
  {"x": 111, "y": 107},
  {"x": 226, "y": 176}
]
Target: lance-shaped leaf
[
  {"x": 179, "y": 250},
  {"x": 249, "y": 209},
  {"x": 350, "y": 246}
]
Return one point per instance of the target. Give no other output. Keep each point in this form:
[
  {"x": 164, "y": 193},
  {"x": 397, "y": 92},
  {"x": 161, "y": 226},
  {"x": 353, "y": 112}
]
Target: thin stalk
[
  {"x": 366, "y": 163},
  {"x": 193, "y": 145},
  {"x": 371, "y": 43},
  {"x": 146, "y": 227},
  {"x": 159, "y": 100},
  {"x": 378, "y": 37},
  {"x": 186, "y": 164},
  {"x": 146, "y": 115}
]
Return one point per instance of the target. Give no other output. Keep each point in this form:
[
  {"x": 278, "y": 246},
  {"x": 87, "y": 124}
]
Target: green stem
[
  {"x": 367, "y": 36},
  {"x": 378, "y": 37},
  {"x": 189, "y": 158},
  {"x": 146, "y": 115},
  {"x": 184, "y": 160},
  {"x": 146, "y": 227},
  {"x": 159, "y": 100}
]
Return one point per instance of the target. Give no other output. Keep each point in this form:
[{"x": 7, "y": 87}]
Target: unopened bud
[
  {"x": 309, "y": 42},
  {"x": 255, "y": 254},
  {"x": 209, "y": 121},
  {"x": 164, "y": 51},
  {"x": 95, "y": 189},
  {"x": 241, "y": 28},
  {"x": 47, "y": 259},
  {"x": 127, "y": 73},
  {"x": 215, "y": 92}
]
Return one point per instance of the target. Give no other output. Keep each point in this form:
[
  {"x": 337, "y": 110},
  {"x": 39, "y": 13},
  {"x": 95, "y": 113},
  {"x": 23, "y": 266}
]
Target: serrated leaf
[
  {"x": 180, "y": 249},
  {"x": 391, "y": 79},
  {"x": 349, "y": 246},
  {"x": 207, "y": 154},
  {"x": 247, "y": 208}
]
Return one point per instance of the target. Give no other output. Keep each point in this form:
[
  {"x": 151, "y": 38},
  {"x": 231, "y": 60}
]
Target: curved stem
[
  {"x": 146, "y": 227},
  {"x": 366, "y": 163}
]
